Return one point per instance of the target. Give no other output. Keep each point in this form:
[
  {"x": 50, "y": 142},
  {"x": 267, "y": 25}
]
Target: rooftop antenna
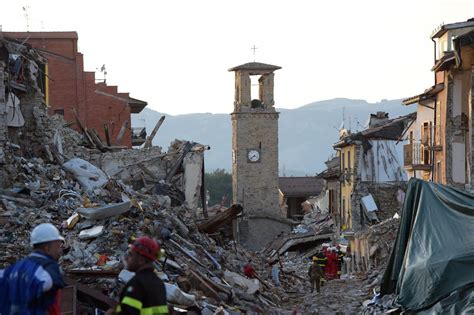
[
  {"x": 254, "y": 49},
  {"x": 343, "y": 117},
  {"x": 27, "y": 16},
  {"x": 104, "y": 71}
]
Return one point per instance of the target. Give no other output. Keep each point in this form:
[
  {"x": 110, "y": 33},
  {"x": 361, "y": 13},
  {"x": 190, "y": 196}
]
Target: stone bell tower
[{"x": 255, "y": 151}]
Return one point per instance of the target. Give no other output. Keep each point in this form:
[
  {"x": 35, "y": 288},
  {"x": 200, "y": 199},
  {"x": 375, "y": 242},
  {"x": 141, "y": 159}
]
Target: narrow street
[{"x": 344, "y": 296}]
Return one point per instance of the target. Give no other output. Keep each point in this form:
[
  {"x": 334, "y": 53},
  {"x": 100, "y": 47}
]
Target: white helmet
[{"x": 45, "y": 232}]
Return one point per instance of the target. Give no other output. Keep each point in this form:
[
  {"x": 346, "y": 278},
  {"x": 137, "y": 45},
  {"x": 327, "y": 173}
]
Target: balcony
[
  {"x": 138, "y": 136},
  {"x": 417, "y": 156}
]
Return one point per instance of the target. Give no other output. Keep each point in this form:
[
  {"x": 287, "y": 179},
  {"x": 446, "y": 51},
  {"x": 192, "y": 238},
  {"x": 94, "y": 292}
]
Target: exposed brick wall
[{"x": 71, "y": 87}]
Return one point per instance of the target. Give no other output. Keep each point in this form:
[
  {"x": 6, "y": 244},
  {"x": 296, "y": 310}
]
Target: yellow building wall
[{"x": 347, "y": 158}]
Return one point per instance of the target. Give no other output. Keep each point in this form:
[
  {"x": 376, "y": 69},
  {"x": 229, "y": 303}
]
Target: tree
[{"x": 219, "y": 185}]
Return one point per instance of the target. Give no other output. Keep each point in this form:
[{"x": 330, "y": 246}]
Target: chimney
[{"x": 377, "y": 119}]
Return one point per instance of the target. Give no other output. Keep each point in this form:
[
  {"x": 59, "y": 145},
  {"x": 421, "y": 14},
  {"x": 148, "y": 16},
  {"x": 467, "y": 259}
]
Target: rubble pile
[
  {"x": 100, "y": 215},
  {"x": 45, "y": 192},
  {"x": 102, "y": 197},
  {"x": 381, "y": 238},
  {"x": 317, "y": 222}
]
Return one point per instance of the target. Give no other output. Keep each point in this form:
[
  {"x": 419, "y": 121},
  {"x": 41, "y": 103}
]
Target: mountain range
[{"x": 306, "y": 134}]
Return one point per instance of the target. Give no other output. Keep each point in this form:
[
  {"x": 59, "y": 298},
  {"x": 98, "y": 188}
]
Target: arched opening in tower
[{"x": 255, "y": 92}]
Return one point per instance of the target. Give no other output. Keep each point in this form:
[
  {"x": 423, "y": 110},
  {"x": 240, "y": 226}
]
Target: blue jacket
[{"x": 29, "y": 286}]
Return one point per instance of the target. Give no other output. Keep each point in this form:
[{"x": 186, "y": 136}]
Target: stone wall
[
  {"x": 385, "y": 196},
  {"x": 256, "y": 232},
  {"x": 255, "y": 185},
  {"x": 373, "y": 247}
]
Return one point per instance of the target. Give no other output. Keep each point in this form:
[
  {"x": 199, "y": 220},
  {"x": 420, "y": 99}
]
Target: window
[
  {"x": 349, "y": 166},
  {"x": 343, "y": 210},
  {"x": 426, "y": 133},
  {"x": 438, "y": 124}
]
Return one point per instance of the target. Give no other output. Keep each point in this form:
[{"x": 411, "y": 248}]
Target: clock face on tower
[{"x": 253, "y": 155}]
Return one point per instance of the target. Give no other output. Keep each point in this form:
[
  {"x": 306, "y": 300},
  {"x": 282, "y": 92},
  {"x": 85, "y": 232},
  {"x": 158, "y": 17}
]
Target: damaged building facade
[
  {"x": 295, "y": 192},
  {"x": 442, "y": 137},
  {"x": 71, "y": 92},
  {"x": 371, "y": 178},
  {"x": 22, "y": 108},
  {"x": 332, "y": 191},
  {"x": 100, "y": 200}
]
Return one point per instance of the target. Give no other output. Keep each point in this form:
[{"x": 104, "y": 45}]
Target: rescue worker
[
  {"x": 340, "y": 260},
  {"x": 315, "y": 274},
  {"x": 33, "y": 285},
  {"x": 249, "y": 271},
  {"x": 321, "y": 260},
  {"x": 331, "y": 267},
  {"x": 145, "y": 293},
  {"x": 275, "y": 272}
]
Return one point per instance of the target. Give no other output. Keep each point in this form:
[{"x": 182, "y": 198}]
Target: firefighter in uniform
[
  {"x": 145, "y": 293},
  {"x": 321, "y": 259},
  {"x": 340, "y": 256}
]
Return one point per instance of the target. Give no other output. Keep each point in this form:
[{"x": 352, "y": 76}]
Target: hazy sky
[{"x": 175, "y": 54}]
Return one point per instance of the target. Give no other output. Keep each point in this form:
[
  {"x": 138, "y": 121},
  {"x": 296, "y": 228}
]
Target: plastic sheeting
[{"x": 433, "y": 255}]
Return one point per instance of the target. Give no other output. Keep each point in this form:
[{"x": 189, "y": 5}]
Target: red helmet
[{"x": 146, "y": 247}]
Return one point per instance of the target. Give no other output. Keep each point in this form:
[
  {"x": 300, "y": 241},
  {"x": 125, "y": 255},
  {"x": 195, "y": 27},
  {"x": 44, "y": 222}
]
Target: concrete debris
[
  {"x": 175, "y": 295},
  {"x": 103, "y": 197},
  {"x": 89, "y": 176},
  {"x": 103, "y": 200},
  {"x": 106, "y": 211},
  {"x": 251, "y": 286},
  {"x": 93, "y": 232},
  {"x": 72, "y": 220}
]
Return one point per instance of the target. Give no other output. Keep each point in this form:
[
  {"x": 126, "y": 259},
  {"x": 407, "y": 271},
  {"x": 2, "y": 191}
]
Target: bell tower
[{"x": 255, "y": 142}]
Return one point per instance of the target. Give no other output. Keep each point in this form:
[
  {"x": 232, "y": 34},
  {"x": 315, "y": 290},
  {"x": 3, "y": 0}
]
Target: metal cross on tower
[{"x": 254, "y": 49}]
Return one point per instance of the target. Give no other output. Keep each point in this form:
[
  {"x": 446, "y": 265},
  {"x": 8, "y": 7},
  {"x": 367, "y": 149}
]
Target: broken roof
[
  {"x": 427, "y": 94},
  {"x": 390, "y": 130},
  {"x": 22, "y": 35},
  {"x": 300, "y": 186},
  {"x": 256, "y": 67},
  {"x": 333, "y": 169},
  {"x": 136, "y": 105},
  {"x": 466, "y": 39},
  {"x": 447, "y": 27},
  {"x": 444, "y": 62}
]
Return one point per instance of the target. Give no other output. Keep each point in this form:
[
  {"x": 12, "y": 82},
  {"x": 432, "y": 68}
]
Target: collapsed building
[
  {"x": 294, "y": 193},
  {"x": 372, "y": 179},
  {"x": 103, "y": 196},
  {"x": 70, "y": 91}
]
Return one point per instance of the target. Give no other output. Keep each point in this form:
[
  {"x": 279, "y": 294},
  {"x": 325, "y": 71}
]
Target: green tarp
[{"x": 432, "y": 262}]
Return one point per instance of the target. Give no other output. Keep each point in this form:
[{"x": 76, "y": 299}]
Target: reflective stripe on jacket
[{"x": 145, "y": 294}]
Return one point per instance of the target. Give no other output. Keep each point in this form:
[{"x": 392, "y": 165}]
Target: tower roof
[{"x": 255, "y": 66}]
